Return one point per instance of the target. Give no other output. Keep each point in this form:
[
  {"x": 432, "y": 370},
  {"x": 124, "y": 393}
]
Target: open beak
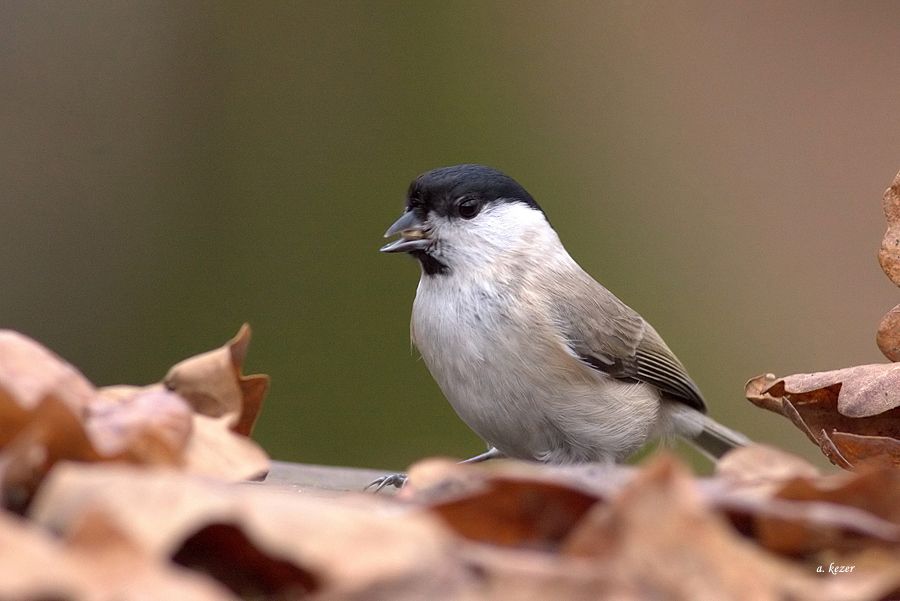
[{"x": 412, "y": 236}]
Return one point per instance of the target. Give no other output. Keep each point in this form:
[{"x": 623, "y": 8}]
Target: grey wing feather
[
  {"x": 657, "y": 365},
  {"x": 611, "y": 337}
]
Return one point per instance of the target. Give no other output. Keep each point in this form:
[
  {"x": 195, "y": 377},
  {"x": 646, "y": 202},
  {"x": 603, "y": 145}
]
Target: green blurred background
[{"x": 170, "y": 170}]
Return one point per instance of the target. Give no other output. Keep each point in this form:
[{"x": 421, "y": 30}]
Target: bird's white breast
[{"x": 510, "y": 376}]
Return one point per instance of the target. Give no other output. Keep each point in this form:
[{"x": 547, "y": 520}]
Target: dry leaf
[
  {"x": 214, "y": 450},
  {"x": 37, "y": 439},
  {"x": 875, "y": 491},
  {"x": 213, "y": 384},
  {"x": 502, "y": 507},
  {"x": 760, "y": 470},
  {"x": 50, "y": 412},
  {"x": 861, "y": 401},
  {"x": 889, "y": 255},
  {"x": 25, "y": 554},
  {"x": 29, "y": 373},
  {"x": 888, "y": 335},
  {"x": 861, "y": 391},
  {"x": 152, "y": 425},
  {"x": 257, "y": 540},
  {"x": 751, "y": 491},
  {"x": 99, "y": 565},
  {"x": 852, "y": 414},
  {"x": 360, "y": 547},
  {"x": 807, "y": 528},
  {"x": 789, "y": 507},
  {"x": 866, "y": 450},
  {"x": 661, "y": 534}
]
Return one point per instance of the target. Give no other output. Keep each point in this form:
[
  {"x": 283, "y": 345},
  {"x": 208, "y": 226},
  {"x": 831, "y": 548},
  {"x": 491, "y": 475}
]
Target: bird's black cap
[{"x": 438, "y": 189}]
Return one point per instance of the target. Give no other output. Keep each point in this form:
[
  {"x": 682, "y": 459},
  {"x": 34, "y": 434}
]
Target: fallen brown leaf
[
  {"x": 861, "y": 401},
  {"x": 861, "y": 391},
  {"x": 28, "y": 374},
  {"x": 213, "y": 384},
  {"x": 874, "y": 491},
  {"x": 502, "y": 507},
  {"x": 661, "y": 536},
  {"x": 789, "y": 507},
  {"x": 216, "y": 451},
  {"x": 152, "y": 425},
  {"x": 806, "y": 529},
  {"x": 888, "y": 335},
  {"x": 760, "y": 470},
  {"x": 38, "y": 438},
  {"x": 360, "y": 547},
  {"x": 654, "y": 533},
  {"x": 889, "y": 255},
  {"x": 866, "y": 450},
  {"x": 94, "y": 566},
  {"x": 49, "y": 412}
]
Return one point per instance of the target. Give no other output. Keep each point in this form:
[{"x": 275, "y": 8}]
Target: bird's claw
[{"x": 395, "y": 480}]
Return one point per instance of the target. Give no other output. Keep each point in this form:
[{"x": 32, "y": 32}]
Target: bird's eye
[{"x": 468, "y": 207}]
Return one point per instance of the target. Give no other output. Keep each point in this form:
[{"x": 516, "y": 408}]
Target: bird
[{"x": 539, "y": 359}]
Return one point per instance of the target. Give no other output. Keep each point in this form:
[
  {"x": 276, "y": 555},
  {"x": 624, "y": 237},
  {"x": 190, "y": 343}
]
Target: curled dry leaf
[
  {"x": 641, "y": 536},
  {"x": 358, "y": 547},
  {"x": 862, "y": 401},
  {"x": 47, "y": 433},
  {"x": 808, "y": 528},
  {"x": 152, "y": 425},
  {"x": 642, "y": 532},
  {"x": 659, "y": 533},
  {"x": 25, "y": 554},
  {"x": 754, "y": 493},
  {"x": 43, "y": 403},
  {"x": 36, "y": 565},
  {"x": 214, "y": 385},
  {"x": 759, "y": 470},
  {"x": 29, "y": 373},
  {"x": 888, "y": 335},
  {"x": 875, "y": 451},
  {"x": 787, "y": 507},
  {"x": 889, "y": 255},
  {"x": 876, "y": 492},
  {"x": 214, "y": 450},
  {"x": 508, "y": 507},
  {"x": 50, "y": 412}
]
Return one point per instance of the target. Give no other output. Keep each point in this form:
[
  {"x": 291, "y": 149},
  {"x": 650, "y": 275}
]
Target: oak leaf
[
  {"x": 848, "y": 412},
  {"x": 213, "y": 384}
]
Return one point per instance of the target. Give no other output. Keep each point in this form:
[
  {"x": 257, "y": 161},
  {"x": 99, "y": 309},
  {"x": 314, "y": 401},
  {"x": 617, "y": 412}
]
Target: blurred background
[{"x": 169, "y": 170}]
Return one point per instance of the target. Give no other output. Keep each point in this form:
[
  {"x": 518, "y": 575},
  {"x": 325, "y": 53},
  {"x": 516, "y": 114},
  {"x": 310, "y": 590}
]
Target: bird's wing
[{"x": 611, "y": 337}]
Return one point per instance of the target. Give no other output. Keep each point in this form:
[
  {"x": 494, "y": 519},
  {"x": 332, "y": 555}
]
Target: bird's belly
[{"x": 525, "y": 394}]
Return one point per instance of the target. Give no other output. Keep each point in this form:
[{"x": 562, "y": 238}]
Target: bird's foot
[{"x": 395, "y": 480}]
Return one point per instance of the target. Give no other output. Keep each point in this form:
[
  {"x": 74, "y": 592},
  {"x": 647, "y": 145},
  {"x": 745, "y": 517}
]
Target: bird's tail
[{"x": 708, "y": 435}]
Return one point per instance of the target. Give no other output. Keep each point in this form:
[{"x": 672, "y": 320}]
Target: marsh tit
[{"x": 535, "y": 356}]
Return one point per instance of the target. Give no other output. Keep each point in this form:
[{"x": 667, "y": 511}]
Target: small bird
[{"x": 535, "y": 356}]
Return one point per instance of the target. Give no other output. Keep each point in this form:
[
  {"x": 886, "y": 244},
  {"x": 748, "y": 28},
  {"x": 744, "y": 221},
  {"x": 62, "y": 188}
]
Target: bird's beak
[{"x": 412, "y": 235}]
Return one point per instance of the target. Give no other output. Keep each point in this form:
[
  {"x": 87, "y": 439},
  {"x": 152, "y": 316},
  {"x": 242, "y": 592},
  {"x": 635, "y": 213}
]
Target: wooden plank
[{"x": 320, "y": 480}]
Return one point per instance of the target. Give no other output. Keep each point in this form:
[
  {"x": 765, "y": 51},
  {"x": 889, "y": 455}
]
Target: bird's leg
[
  {"x": 491, "y": 453},
  {"x": 399, "y": 480}
]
